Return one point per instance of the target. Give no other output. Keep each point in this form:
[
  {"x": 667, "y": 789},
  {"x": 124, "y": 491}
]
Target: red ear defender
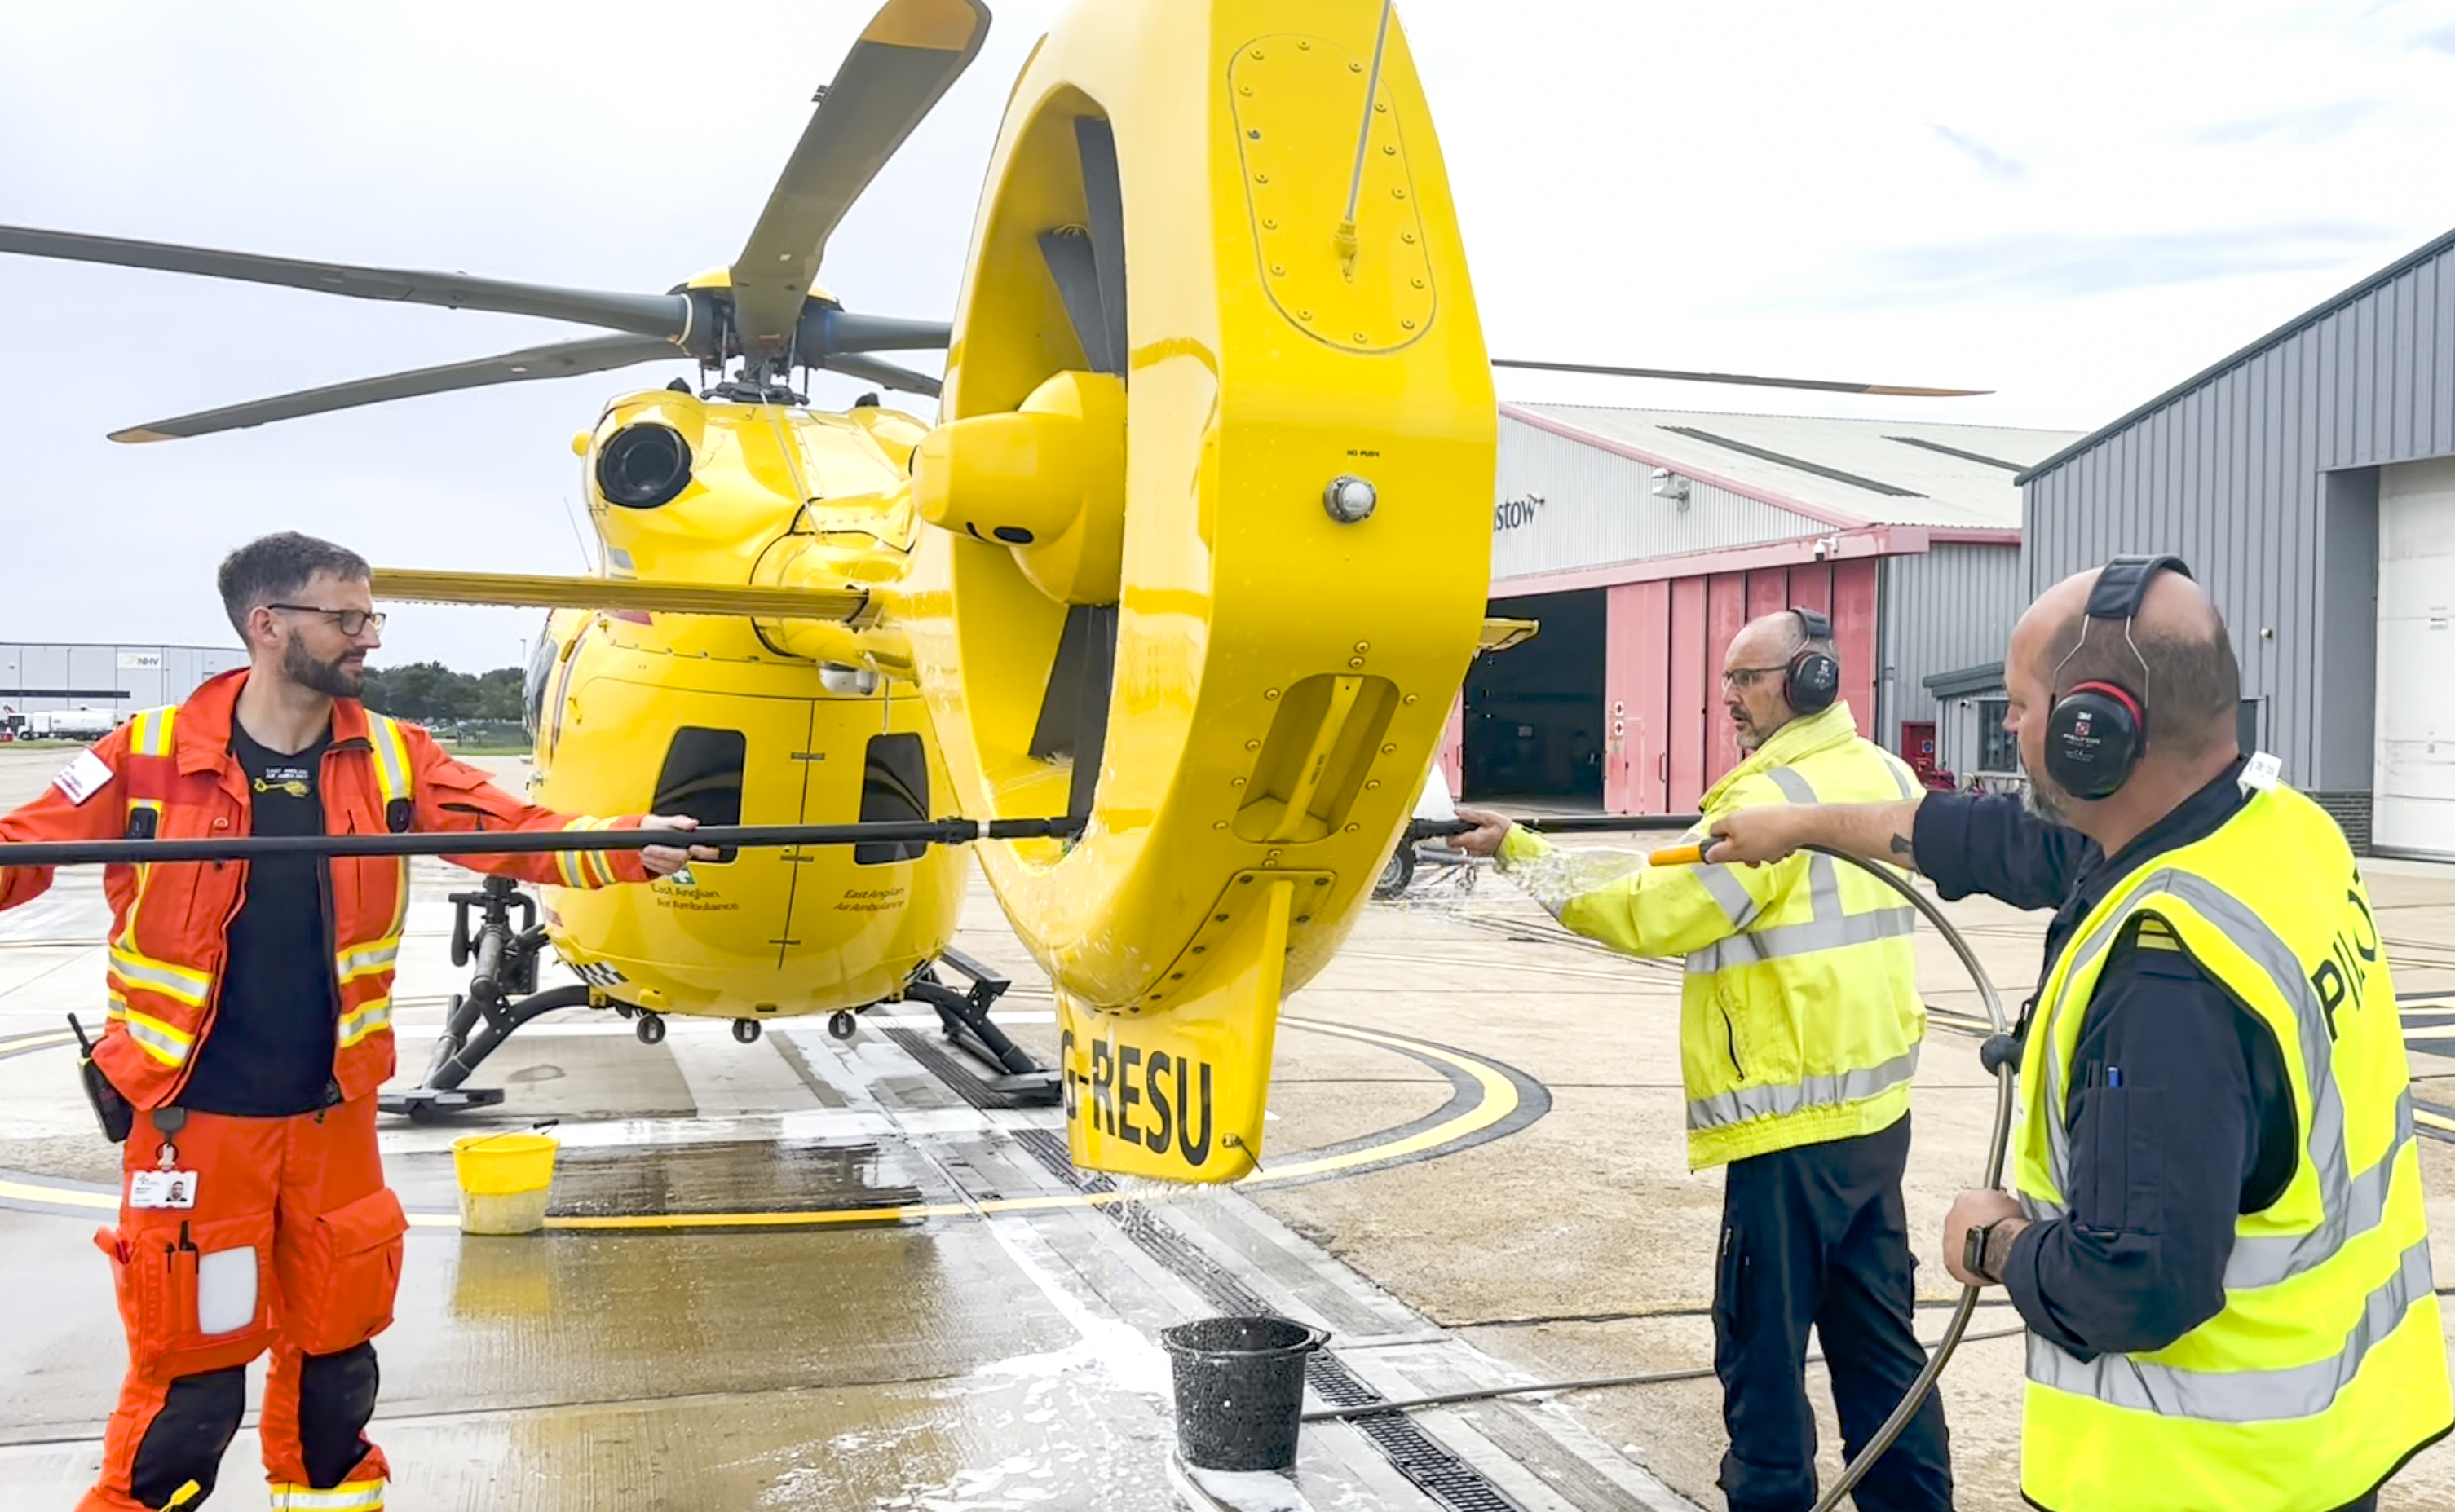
[
  {"x": 2095, "y": 736},
  {"x": 2130, "y": 705},
  {"x": 2098, "y": 731}
]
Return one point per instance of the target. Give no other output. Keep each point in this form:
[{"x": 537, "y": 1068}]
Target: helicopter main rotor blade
[
  {"x": 665, "y": 315},
  {"x": 906, "y": 60},
  {"x": 885, "y": 374},
  {"x": 842, "y": 331},
  {"x": 562, "y": 359},
  {"x": 1818, "y": 384}
]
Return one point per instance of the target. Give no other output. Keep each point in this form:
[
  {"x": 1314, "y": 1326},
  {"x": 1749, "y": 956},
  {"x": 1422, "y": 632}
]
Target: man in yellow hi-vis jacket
[
  {"x": 1799, "y": 1030},
  {"x": 2216, "y": 1232}
]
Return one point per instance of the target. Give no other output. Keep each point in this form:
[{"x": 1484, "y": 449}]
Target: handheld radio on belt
[{"x": 109, "y": 1109}]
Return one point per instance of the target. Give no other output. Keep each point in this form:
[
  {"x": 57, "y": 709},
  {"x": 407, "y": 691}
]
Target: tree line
[{"x": 431, "y": 692}]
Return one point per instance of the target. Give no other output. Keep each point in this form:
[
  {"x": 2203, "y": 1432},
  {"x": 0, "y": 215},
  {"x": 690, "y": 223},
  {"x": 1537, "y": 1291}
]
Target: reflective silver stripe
[
  {"x": 2239, "y": 1396},
  {"x": 361, "y": 960},
  {"x": 1793, "y": 787},
  {"x": 2262, "y": 1261},
  {"x": 1900, "y": 775},
  {"x": 391, "y": 757},
  {"x": 1780, "y": 941},
  {"x": 1823, "y": 887},
  {"x": 1730, "y": 893},
  {"x": 189, "y": 987},
  {"x": 1724, "y": 1109},
  {"x": 1827, "y": 926},
  {"x": 150, "y": 734},
  {"x": 350, "y": 1496},
  {"x": 159, "y": 1039},
  {"x": 360, "y": 1022}
]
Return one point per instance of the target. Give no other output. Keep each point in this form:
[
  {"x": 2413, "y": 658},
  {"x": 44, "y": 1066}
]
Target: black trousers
[{"x": 1816, "y": 1235}]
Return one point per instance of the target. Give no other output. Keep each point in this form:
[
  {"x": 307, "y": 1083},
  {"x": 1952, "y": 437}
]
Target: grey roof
[
  {"x": 2301, "y": 322},
  {"x": 1882, "y": 471},
  {"x": 1967, "y": 680}
]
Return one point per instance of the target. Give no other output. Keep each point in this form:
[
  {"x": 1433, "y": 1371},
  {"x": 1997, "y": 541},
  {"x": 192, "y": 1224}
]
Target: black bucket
[{"x": 1240, "y": 1386}]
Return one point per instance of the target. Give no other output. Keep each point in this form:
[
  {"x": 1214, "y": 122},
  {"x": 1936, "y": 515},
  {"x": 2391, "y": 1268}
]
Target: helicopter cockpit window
[
  {"x": 894, "y": 788},
  {"x": 702, "y": 777},
  {"x": 532, "y": 686}
]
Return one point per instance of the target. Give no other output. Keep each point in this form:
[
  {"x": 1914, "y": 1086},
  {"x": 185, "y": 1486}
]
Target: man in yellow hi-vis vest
[
  {"x": 1799, "y": 1031},
  {"x": 2217, "y": 1237}
]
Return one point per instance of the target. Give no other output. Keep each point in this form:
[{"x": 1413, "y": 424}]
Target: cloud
[
  {"x": 2441, "y": 40},
  {"x": 2054, "y": 266},
  {"x": 1992, "y": 163},
  {"x": 2317, "y": 123}
]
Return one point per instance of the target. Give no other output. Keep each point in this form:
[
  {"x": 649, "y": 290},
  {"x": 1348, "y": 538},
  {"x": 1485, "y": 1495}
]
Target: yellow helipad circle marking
[{"x": 1498, "y": 1099}]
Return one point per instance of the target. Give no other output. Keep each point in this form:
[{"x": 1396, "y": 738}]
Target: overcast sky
[{"x": 2074, "y": 205}]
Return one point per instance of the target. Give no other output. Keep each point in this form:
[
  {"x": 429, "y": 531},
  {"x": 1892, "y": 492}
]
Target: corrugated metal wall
[
  {"x": 1958, "y": 722},
  {"x": 1669, "y": 738},
  {"x": 1597, "y": 507},
  {"x": 1951, "y": 608},
  {"x": 36, "y": 677},
  {"x": 2231, "y": 475}
]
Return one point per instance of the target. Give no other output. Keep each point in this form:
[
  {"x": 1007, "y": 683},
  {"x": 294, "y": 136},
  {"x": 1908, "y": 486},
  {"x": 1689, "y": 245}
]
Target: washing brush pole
[{"x": 530, "y": 842}]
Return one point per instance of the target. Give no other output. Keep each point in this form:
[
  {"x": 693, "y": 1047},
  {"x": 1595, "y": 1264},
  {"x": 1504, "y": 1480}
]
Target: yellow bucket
[{"x": 505, "y": 1179}]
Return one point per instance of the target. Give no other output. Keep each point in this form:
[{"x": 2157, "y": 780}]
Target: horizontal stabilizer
[{"x": 1499, "y": 634}]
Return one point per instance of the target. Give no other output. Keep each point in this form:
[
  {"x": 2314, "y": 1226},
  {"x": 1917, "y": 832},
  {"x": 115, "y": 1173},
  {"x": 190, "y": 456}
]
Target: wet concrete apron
[
  {"x": 981, "y": 1334},
  {"x": 878, "y": 1295}
]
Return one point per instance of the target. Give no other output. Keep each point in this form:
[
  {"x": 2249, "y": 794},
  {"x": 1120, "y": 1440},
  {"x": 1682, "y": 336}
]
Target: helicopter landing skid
[
  {"x": 502, "y": 995},
  {"x": 1014, "y": 1080}
]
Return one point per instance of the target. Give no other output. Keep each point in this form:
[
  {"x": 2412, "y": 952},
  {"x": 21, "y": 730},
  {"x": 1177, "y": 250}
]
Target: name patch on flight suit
[{"x": 83, "y": 778}]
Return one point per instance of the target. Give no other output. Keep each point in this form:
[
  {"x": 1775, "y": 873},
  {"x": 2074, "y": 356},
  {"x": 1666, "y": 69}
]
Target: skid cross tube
[{"x": 529, "y": 842}]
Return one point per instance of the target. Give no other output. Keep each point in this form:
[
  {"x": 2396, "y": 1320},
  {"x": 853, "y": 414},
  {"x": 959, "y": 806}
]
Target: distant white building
[{"x": 80, "y": 685}]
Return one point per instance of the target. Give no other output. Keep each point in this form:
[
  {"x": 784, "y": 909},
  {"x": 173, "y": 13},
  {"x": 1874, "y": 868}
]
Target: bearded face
[{"x": 343, "y": 677}]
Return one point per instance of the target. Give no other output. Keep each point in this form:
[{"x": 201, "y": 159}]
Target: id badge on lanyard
[{"x": 166, "y": 1186}]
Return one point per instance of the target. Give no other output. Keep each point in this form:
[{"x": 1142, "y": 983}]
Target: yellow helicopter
[{"x": 1196, "y": 553}]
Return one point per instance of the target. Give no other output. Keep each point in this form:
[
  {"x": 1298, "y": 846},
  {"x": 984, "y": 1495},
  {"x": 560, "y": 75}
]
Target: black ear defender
[
  {"x": 2099, "y": 730},
  {"x": 1813, "y": 679}
]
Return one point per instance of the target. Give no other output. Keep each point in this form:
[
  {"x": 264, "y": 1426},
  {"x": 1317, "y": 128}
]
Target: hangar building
[
  {"x": 2309, "y": 481},
  {"x": 1643, "y": 539},
  {"x": 53, "y": 678}
]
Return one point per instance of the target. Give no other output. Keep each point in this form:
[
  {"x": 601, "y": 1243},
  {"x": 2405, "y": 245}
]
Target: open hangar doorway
[{"x": 1534, "y": 715}]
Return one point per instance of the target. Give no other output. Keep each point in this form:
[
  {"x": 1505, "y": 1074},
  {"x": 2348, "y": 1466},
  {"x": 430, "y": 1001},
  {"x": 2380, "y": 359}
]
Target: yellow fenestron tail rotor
[{"x": 1212, "y": 507}]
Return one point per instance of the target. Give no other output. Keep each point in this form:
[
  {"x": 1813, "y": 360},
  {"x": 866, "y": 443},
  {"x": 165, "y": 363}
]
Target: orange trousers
[{"x": 294, "y": 1245}]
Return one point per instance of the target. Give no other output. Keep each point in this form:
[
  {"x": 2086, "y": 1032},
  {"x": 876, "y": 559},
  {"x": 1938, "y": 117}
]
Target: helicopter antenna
[
  {"x": 578, "y": 538},
  {"x": 1346, "y": 237}
]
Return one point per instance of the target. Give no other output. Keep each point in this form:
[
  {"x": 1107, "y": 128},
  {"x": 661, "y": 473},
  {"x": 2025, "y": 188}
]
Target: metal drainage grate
[
  {"x": 942, "y": 1062},
  {"x": 1413, "y": 1453}
]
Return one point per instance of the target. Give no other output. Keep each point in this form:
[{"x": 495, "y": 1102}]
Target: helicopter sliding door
[
  {"x": 766, "y": 930},
  {"x": 866, "y": 917}
]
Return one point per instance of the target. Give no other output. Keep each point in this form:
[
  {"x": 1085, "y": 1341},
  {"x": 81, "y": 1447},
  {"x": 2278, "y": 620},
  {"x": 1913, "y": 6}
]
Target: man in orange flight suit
[{"x": 251, "y": 1023}]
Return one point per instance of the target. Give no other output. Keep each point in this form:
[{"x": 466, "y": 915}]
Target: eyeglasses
[
  {"x": 352, "y": 621},
  {"x": 1746, "y": 677}
]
